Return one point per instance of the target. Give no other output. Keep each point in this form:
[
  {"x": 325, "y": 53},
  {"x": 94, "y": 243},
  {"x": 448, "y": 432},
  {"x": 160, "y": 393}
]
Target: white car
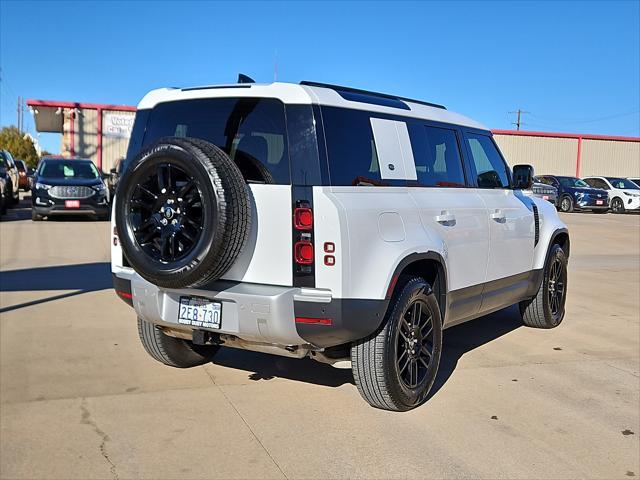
[
  {"x": 320, "y": 221},
  {"x": 624, "y": 195}
]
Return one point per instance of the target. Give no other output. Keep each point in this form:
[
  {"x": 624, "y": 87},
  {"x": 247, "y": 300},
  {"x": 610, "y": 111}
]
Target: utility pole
[
  {"x": 517, "y": 123},
  {"x": 19, "y": 111}
]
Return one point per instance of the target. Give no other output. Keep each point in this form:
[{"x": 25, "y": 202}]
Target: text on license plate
[
  {"x": 599, "y": 202},
  {"x": 200, "y": 312},
  {"x": 72, "y": 204}
]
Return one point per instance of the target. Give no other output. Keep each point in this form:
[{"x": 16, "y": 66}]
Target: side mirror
[{"x": 522, "y": 177}]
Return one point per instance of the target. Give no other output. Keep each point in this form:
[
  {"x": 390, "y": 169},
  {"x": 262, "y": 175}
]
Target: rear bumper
[{"x": 260, "y": 313}]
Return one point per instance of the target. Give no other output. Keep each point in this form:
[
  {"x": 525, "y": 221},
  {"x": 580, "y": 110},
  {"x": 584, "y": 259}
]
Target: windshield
[
  {"x": 622, "y": 183},
  {"x": 69, "y": 169},
  {"x": 572, "y": 182}
]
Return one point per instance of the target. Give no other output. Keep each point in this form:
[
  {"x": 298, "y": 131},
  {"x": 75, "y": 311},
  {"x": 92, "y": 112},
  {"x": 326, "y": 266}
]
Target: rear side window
[
  {"x": 440, "y": 164},
  {"x": 487, "y": 163},
  {"x": 250, "y": 130},
  {"x": 351, "y": 150}
]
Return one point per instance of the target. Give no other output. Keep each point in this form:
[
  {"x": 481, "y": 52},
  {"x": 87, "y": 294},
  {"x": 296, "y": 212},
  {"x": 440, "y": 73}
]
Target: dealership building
[
  {"x": 89, "y": 130},
  {"x": 101, "y": 133},
  {"x": 573, "y": 154}
]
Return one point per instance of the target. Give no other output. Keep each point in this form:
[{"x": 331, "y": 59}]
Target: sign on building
[{"x": 116, "y": 124}]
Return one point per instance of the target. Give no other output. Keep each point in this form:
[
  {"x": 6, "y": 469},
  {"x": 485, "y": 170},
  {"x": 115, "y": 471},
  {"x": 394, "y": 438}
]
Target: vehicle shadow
[
  {"x": 458, "y": 340},
  {"x": 468, "y": 336},
  {"x": 79, "y": 278}
]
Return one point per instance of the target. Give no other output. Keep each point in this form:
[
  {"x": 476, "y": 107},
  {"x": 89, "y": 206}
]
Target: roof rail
[{"x": 367, "y": 92}]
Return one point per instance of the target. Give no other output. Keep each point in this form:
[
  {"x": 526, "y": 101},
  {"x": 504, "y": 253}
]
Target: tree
[{"x": 19, "y": 145}]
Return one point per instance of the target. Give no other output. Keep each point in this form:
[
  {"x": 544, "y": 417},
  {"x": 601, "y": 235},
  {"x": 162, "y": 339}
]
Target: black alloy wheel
[
  {"x": 556, "y": 287},
  {"x": 167, "y": 212},
  {"x": 414, "y": 344},
  {"x": 182, "y": 213},
  {"x": 395, "y": 367}
]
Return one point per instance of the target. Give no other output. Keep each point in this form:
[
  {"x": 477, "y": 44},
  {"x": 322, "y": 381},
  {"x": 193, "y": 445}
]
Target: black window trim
[
  {"x": 469, "y": 159},
  {"x": 459, "y": 131}
]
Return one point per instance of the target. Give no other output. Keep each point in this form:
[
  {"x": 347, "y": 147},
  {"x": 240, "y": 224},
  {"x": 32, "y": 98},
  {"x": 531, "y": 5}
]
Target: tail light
[
  {"x": 303, "y": 218},
  {"x": 304, "y": 252},
  {"x": 302, "y": 236}
]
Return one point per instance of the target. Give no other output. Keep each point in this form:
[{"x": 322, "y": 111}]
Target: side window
[
  {"x": 351, "y": 150},
  {"x": 487, "y": 163},
  {"x": 441, "y": 164},
  {"x": 601, "y": 184}
]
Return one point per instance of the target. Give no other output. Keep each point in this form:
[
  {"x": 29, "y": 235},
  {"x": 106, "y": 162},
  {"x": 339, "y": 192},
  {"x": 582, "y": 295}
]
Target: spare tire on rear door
[{"x": 182, "y": 213}]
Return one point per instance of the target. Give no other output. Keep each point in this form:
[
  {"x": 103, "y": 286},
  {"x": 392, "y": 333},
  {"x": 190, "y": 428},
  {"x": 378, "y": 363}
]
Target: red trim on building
[
  {"x": 94, "y": 106},
  {"x": 578, "y": 157},
  {"x": 576, "y": 136}
]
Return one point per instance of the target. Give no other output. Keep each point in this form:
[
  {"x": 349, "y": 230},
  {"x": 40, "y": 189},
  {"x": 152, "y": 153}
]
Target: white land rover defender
[{"x": 321, "y": 221}]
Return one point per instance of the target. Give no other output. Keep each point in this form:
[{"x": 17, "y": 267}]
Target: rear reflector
[
  {"x": 124, "y": 294},
  {"x": 304, "y": 252},
  {"x": 303, "y": 218},
  {"x": 314, "y": 321}
]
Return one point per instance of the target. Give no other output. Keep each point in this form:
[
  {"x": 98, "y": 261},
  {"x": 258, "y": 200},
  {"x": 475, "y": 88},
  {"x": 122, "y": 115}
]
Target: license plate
[
  {"x": 72, "y": 204},
  {"x": 200, "y": 312},
  {"x": 545, "y": 197},
  {"x": 599, "y": 202}
]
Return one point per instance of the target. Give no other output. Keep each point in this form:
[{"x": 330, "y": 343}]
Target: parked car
[
  {"x": 269, "y": 225},
  {"x": 575, "y": 194},
  {"x": 624, "y": 195},
  {"x": 68, "y": 186},
  {"x": 23, "y": 176},
  {"x": 9, "y": 171},
  {"x": 114, "y": 176},
  {"x": 3, "y": 202},
  {"x": 635, "y": 180},
  {"x": 545, "y": 192}
]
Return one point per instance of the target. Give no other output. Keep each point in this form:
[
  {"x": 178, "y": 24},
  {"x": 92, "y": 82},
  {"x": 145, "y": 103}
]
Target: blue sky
[{"x": 574, "y": 66}]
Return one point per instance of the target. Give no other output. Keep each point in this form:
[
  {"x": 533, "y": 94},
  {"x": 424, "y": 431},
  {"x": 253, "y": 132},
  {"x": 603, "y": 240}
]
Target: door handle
[
  {"x": 446, "y": 218},
  {"x": 498, "y": 216}
]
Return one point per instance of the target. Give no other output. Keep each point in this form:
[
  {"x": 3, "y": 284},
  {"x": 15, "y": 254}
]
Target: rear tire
[
  {"x": 390, "y": 372},
  {"x": 546, "y": 309},
  {"x": 174, "y": 352},
  {"x": 566, "y": 204}
]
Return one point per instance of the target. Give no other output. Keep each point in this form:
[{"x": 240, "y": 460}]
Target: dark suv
[
  {"x": 67, "y": 185},
  {"x": 576, "y": 194}
]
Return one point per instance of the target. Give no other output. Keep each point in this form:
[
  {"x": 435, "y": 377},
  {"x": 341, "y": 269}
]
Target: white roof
[{"x": 290, "y": 93}]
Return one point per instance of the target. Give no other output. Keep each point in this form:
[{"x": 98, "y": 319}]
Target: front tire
[
  {"x": 174, "y": 352},
  {"x": 617, "y": 205},
  {"x": 546, "y": 309},
  {"x": 395, "y": 368},
  {"x": 566, "y": 204}
]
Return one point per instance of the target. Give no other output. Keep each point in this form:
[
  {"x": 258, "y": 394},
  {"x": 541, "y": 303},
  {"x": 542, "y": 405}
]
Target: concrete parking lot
[{"x": 79, "y": 397}]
